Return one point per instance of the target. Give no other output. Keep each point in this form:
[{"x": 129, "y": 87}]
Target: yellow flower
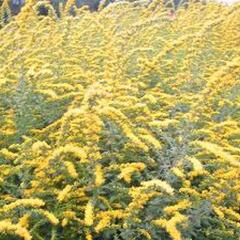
[
  {"x": 159, "y": 183},
  {"x": 99, "y": 175},
  {"x": 140, "y": 198},
  {"x": 52, "y": 219},
  {"x": 23, "y": 232},
  {"x": 70, "y": 148},
  {"x": 35, "y": 203},
  {"x": 89, "y": 214},
  {"x": 88, "y": 235},
  {"x": 171, "y": 225},
  {"x": 8, "y": 154},
  {"x": 70, "y": 214},
  {"x": 24, "y": 220},
  {"x": 123, "y": 122},
  {"x": 219, "y": 152},
  {"x": 145, "y": 233},
  {"x": 8, "y": 227},
  {"x": 178, "y": 172},
  {"x": 63, "y": 194},
  {"x": 231, "y": 213},
  {"x": 197, "y": 166},
  {"x": 218, "y": 212},
  {"x": 128, "y": 169},
  {"x": 164, "y": 123},
  {"x": 179, "y": 206},
  {"x": 189, "y": 191},
  {"x": 106, "y": 217},
  {"x": 103, "y": 223},
  {"x": 38, "y": 147},
  {"x": 64, "y": 222},
  {"x": 149, "y": 139},
  {"x": 71, "y": 169}
]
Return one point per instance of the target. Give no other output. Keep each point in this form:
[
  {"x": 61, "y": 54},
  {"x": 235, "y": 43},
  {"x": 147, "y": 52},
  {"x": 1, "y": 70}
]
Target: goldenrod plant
[
  {"x": 120, "y": 124},
  {"x": 5, "y": 13}
]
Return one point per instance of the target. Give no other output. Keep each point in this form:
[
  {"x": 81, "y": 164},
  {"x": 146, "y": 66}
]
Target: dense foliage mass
[
  {"x": 120, "y": 124},
  {"x": 16, "y": 5}
]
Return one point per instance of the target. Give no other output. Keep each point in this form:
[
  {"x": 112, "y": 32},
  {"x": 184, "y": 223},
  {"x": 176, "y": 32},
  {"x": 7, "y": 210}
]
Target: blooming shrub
[{"x": 121, "y": 124}]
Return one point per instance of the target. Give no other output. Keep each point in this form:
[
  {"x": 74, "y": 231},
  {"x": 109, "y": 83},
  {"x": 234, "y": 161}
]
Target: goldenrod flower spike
[
  {"x": 89, "y": 214},
  {"x": 171, "y": 225},
  {"x": 18, "y": 230},
  {"x": 34, "y": 203}
]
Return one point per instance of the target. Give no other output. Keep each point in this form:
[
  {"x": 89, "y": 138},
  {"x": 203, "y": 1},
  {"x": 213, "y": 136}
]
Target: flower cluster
[{"x": 120, "y": 124}]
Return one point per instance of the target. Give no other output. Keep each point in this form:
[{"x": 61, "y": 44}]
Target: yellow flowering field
[{"x": 120, "y": 124}]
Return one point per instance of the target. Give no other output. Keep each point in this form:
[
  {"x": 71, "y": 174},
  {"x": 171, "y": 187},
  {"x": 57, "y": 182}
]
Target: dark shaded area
[
  {"x": 16, "y": 5},
  {"x": 42, "y": 10}
]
